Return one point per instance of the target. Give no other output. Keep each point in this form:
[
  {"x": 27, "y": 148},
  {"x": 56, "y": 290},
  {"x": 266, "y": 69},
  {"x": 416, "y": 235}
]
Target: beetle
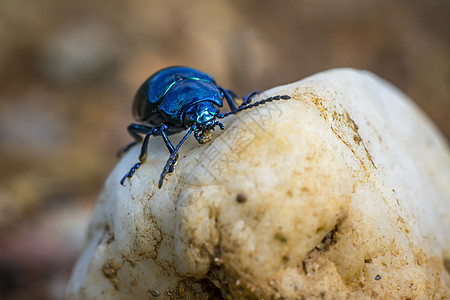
[{"x": 175, "y": 99}]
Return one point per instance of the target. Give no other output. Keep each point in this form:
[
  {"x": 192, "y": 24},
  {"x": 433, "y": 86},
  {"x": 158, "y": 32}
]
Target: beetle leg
[
  {"x": 233, "y": 94},
  {"x": 169, "y": 145},
  {"x": 143, "y": 155},
  {"x": 130, "y": 173},
  {"x": 166, "y": 140},
  {"x": 247, "y": 99},
  {"x": 228, "y": 97},
  {"x": 135, "y": 130},
  {"x": 173, "y": 158}
]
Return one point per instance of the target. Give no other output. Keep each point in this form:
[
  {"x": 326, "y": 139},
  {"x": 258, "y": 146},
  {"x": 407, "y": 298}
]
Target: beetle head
[{"x": 203, "y": 116}]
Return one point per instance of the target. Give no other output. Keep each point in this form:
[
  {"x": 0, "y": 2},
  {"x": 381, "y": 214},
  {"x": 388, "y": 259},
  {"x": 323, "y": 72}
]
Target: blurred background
[{"x": 69, "y": 70}]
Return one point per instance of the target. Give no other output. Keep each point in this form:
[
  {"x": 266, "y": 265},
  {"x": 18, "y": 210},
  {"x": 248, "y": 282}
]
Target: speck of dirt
[
  {"x": 110, "y": 268},
  {"x": 280, "y": 237},
  {"x": 154, "y": 293},
  {"x": 241, "y": 198},
  {"x": 199, "y": 290},
  {"x": 447, "y": 265},
  {"x": 328, "y": 240},
  {"x": 378, "y": 277}
]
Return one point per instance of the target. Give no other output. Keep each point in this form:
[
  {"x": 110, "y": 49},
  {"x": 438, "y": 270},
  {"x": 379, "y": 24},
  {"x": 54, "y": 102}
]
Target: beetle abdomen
[{"x": 151, "y": 93}]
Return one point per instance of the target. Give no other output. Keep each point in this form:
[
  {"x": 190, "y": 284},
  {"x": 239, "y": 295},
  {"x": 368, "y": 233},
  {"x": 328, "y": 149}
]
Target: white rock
[{"x": 341, "y": 192}]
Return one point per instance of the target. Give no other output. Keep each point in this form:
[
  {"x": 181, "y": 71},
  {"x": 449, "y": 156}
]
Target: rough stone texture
[{"x": 341, "y": 192}]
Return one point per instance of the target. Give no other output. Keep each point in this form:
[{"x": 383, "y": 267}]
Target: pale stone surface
[{"x": 341, "y": 192}]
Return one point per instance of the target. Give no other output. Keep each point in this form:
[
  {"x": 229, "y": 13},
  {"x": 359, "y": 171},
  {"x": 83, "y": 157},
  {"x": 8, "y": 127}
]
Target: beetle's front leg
[
  {"x": 173, "y": 158},
  {"x": 170, "y": 147}
]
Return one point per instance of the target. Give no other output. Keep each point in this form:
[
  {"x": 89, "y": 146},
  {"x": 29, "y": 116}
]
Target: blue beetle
[{"x": 176, "y": 99}]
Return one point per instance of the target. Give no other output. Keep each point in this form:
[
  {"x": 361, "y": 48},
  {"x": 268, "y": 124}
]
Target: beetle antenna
[{"x": 241, "y": 108}]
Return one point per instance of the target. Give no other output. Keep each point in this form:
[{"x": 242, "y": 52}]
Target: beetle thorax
[{"x": 202, "y": 114}]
